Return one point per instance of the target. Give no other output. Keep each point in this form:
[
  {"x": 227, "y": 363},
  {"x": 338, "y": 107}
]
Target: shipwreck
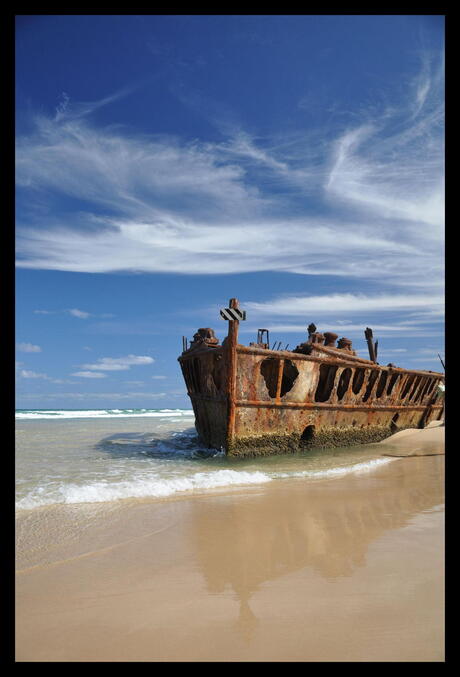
[{"x": 254, "y": 400}]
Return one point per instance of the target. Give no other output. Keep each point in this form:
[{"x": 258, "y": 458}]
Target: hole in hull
[
  {"x": 391, "y": 383},
  {"x": 325, "y": 383},
  {"x": 424, "y": 390},
  {"x": 308, "y": 434},
  {"x": 358, "y": 380},
  {"x": 290, "y": 373},
  {"x": 381, "y": 384},
  {"x": 408, "y": 386},
  {"x": 370, "y": 384},
  {"x": 393, "y": 424},
  {"x": 414, "y": 389},
  {"x": 343, "y": 383},
  {"x": 270, "y": 370}
]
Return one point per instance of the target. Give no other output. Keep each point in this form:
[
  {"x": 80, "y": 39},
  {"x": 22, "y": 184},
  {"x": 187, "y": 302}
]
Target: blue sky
[{"x": 168, "y": 163}]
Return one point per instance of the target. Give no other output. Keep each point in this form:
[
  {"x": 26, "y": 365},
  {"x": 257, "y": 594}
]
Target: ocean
[{"x": 79, "y": 456}]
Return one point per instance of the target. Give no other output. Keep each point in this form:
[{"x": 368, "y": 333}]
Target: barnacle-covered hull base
[{"x": 250, "y": 400}]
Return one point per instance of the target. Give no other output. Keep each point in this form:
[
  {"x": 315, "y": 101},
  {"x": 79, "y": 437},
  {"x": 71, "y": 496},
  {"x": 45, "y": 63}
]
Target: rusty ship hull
[{"x": 253, "y": 400}]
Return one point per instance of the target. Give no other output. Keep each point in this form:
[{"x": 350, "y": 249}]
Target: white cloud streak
[
  {"x": 103, "y": 396},
  {"x": 69, "y": 110},
  {"x": 389, "y": 314},
  {"x": 26, "y": 373},
  {"x": 75, "y": 312},
  {"x": 343, "y": 303},
  {"x": 28, "y": 348},
  {"x": 118, "y": 363},
  {"x": 157, "y": 204},
  {"x": 82, "y": 314},
  {"x": 89, "y": 374}
]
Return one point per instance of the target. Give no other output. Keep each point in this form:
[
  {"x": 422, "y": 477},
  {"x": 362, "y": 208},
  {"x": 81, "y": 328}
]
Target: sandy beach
[{"x": 336, "y": 569}]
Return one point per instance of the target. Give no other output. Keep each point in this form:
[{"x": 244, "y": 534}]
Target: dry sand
[{"x": 343, "y": 569}]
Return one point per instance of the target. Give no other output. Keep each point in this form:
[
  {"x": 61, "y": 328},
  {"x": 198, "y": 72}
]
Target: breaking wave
[
  {"x": 140, "y": 487},
  {"x": 34, "y": 414},
  {"x": 150, "y": 485},
  {"x": 366, "y": 466}
]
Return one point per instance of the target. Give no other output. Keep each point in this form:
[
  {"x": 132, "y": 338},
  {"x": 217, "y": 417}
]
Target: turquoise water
[{"x": 97, "y": 456}]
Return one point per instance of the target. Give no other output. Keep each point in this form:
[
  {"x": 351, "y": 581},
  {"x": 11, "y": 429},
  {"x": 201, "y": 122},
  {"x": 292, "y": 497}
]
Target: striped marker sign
[{"x": 233, "y": 314}]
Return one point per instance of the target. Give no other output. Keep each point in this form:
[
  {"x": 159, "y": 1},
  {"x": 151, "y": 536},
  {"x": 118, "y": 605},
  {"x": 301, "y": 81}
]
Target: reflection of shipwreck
[
  {"x": 325, "y": 526},
  {"x": 251, "y": 400}
]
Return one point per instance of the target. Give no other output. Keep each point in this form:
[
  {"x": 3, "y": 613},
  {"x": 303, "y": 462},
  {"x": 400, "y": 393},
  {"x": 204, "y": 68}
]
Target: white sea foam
[
  {"x": 152, "y": 486},
  {"x": 140, "y": 487},
  {"x": 365, "y": 466},
  {"x": 101, "y": 413}
]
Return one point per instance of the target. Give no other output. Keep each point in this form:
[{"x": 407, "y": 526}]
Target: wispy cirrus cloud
[
  {"x": 72, "y": 110},
  {"x": 28, "y": 348},
  {"x": 29, "y": 374},
  {"x": 361, "y": 176},
  {"x": 392, "y": 166},
  {"x": 89, "y": 374},
  {"x": 82, "y": 314},
  {"x": 326, "y": 304},
  {"x": 85, "y": 396},
  {"x": 75, "y": 312},
  {"x": 414, "y": 314},
  {"x": 160, "y": 204},
  {"x": 118, "y": 363}
]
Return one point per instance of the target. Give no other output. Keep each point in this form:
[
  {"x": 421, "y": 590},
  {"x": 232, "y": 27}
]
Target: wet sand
[{"x": 342, "y": 569}]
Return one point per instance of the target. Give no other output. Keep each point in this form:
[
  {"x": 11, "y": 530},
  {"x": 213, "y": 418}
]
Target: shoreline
[
  {"x": 340, "y": 569},
  {"x": 407, "y": 442}
]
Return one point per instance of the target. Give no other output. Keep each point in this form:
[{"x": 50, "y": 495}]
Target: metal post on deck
[
  {"x": 370, "y": 344},
  {"x": 232, "y": 340}
]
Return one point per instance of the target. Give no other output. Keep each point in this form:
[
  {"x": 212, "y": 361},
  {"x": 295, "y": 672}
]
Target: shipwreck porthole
[
  {"x": 391, "y": 383},
  {"x": 370, "y": 384},
  {"x": 358, "y": 380},
  {"x": 344, "y": 380},
  {"x": 431, "y": 386},
  {"x": 270, "y": 371},
  {"x": 290, "y": 373},
  {"x": 381, "y": 384},
  {"x": 424, "y": 391},
  {"x": 326, "y": 382},
  {"x": 417, "y": 382},
  {"x": 308, "y": 434},
  {"x": 408, "y": 385}
]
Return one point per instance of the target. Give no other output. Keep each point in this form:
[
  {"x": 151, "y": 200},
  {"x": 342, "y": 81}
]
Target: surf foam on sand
[
  {"x": 71, "y": 469},
  {"x": 150, "y": 486},
  {"x": 37, "y": 414}
]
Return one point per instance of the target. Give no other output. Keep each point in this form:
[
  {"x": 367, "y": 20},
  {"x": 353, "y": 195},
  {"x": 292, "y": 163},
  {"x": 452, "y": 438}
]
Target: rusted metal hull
[{"x": 249, "y": 400}]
